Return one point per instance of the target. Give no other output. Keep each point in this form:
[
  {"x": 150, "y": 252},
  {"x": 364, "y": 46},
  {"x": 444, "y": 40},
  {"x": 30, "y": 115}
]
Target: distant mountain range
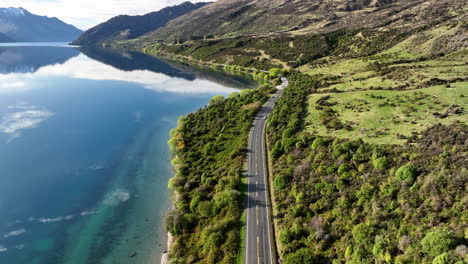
[
  {"x": 5, "y": 38},
  {"x": 129, "y": 27},
  {"x": 19, "y": 25}
]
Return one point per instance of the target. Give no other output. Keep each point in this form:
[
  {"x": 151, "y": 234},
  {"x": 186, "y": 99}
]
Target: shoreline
[
  {"x": 164, "y": 257},
  {"x": 165, "y": 254}
]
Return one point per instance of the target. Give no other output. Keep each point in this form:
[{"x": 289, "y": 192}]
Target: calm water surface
[{"x": 84, "y": 162}]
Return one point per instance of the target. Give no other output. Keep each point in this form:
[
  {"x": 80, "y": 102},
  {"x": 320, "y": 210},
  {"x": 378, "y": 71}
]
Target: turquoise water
[{"x": 84, "y": 162}]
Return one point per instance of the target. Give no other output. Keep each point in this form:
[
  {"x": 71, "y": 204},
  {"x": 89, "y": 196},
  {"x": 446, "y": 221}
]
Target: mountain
[
  {"x": 5, "y": 38},
  {"x": 22, "y": 26},
  {"x": 130, "y": 27},
  {"x": 295, "y": 33},
  {"x": 232, "y": 18},
  {"x": 240, "y": 17}
]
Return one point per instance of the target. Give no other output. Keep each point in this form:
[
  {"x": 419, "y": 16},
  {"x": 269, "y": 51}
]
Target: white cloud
[
  {"x": 116, "y": 197},
  {"x": 57, "y": 219},
  {"x": 14, "y": 123},
  {"x": 87, "y": 13},
  {"x": 15, "y": 233},
  {"x": 3, "y": 249}
]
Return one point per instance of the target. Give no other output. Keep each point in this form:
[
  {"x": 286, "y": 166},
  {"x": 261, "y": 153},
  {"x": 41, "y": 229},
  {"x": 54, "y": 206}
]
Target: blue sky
[{"x": 87, "y": 13}]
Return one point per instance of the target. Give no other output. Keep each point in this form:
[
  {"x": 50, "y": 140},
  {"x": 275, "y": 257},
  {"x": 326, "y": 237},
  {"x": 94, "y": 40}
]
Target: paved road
[{"x": 259, "y": 248}]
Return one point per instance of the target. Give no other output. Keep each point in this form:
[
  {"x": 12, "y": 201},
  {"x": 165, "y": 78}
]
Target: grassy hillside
[{"x": 342, "y": 200}]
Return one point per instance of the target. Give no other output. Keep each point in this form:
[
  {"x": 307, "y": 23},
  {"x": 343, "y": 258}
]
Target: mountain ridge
[
  {"x": 243, "y": 17},
  {"x": 129, "y": 27},
  {"x": 22, "y": 26}
]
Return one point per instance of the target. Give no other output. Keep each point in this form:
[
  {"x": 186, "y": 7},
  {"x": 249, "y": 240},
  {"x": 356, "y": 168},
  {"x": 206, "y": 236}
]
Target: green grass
[{"x": 379, "y": 116}]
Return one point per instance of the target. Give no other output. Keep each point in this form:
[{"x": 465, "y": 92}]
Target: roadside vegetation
[{"x": 209, "y": 148}]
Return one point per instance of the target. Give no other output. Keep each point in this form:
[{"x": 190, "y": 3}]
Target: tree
[
  {"x": 226, "y": 198},
  {"x": 205, "y": 208},
  {"x": 302, "y": 256},
  {"x": 361, "y": 233},
  {"x": 174, "y": 222},
  {"x": 437, "y": 242},
  {"x": 274, "y": 72},
  {"x": 216, "y": 100}
]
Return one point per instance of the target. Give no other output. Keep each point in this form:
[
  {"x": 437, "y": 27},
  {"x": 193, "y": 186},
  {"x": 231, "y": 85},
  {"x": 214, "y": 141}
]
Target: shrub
[
  {"x": 280, "y": 182},
  {"x": 443, "y": 258},
  {"x": 406, "y": 173},
  {"x": 174, "y": 222},
  {"x": 361, "y": 233},
  {"x": 345, "y": 167},
  {"x": 274, "y": 72},
  {"x": 216, "y": 100},
  {"x": 318, "y": 142},
  {"x": 380, "y": 163},
  {"x": 302, "y": 256},
  {"x": 437, "y": 242}
]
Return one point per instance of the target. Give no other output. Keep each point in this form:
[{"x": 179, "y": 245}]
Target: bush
[
  {"x": 443, "y": 258},
  {"x": 345, "y": 167},
  {"x": 274, "y": 72},
  {"x": 318, "y": 142},
  {"x": 361, "y": 233},
  {"x": 406, "y": 173},
  {"x": 280, "y": 182},
  {"x": 216, "y": 100},
  {"x": 380, "y": 163},
  {"x": 302, "y": 256},
  {"x": 174, "y": 222},
  {"x": 437, "y": 242}
]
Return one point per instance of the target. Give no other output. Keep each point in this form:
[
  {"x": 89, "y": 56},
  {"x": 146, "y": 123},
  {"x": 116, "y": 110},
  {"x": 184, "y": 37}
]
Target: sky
[{"x": 85, "y": 14}]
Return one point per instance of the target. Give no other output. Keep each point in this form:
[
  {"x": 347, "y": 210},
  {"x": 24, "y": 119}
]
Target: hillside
[
  {"x": 229, "y": 18},
  {"x": 22, "y": 26},
  {"x": 367, "y": 146},
  {"x": 130, "y": 27}
]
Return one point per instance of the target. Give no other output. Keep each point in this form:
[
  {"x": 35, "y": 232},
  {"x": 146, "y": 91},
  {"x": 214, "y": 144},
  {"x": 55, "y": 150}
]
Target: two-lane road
[{"x": 259, "y": 248}]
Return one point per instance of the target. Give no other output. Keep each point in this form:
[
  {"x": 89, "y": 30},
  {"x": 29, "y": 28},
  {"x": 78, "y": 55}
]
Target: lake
[{"x": 84, "y": 161}]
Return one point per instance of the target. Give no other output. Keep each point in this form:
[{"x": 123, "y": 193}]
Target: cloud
[
  {"x": 57, "y": 219},
  {"x": 88, "y": 212},
  {"x": 20, "y": 247},
  {"x": 116, "y": 197},
  {"x": 14, "y": 123},
  {"x": 15, "y": 233},
  {"x": 87, "y": 13},
  {"x": 3, "y": 249}
]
